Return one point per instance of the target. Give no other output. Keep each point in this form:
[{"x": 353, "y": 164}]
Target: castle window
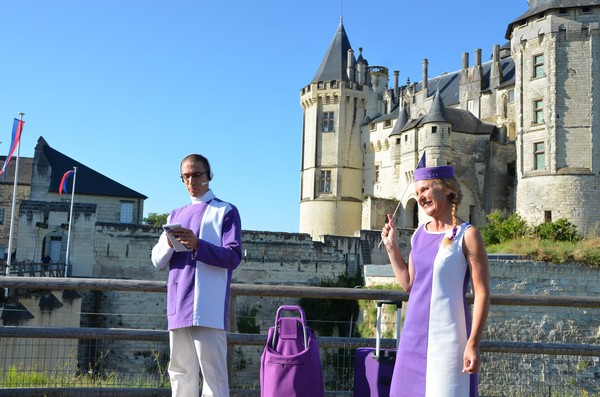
[
  {"x": 2, "y": 210},
  {"x": 397, "y": 141},
  {"x": 126, "y": 212},
  {"x": 434, "y": 130},
  {"x": 586, "y": 9},
  {"x": 547, "y": 216},
  {"x": 538, "y": 66},
  {"x": 539, "y": 154},
  {"x": 511, "y": 96},
  {"x": 328, "y": 122},
  {"x": 562, "y": 11},
  {"x": 538, "y": 111},
  {"x": 387, "y": 123},
  {"x": 325, "y": 182},
  {"x": 376, "y": 174}
]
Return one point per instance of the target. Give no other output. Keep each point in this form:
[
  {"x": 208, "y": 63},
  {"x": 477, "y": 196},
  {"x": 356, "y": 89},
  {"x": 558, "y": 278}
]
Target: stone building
[{"x": 519, "y": 129}]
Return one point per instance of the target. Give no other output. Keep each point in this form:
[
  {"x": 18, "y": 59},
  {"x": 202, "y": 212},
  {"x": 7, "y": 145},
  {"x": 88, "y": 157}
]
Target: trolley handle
[
  {"x": 302, "y": 319},
  {"x": 291, "y": 308},
  {"x": 380, "y": 303}
]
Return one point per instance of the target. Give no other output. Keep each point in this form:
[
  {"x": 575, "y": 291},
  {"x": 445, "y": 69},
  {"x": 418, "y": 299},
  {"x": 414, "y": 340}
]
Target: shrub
[
  {"x": 561, "y": 230},
  {"x": 502, "y": 227}
]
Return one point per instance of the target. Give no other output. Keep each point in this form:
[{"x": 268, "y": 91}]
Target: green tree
[{"x": 156, "y": 219}]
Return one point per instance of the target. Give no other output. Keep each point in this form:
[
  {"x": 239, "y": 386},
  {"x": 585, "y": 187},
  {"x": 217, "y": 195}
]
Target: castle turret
[
  {"x": 435, "y": 133},
  {"x": 557, "y": 87},
  {"x": 332, "y": 159}
]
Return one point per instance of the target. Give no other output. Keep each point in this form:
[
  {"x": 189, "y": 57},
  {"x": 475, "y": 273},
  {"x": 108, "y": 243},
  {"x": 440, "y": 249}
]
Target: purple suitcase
[
  {"x": 291, "y": 363},
  {"x": 373, "y": 367}
]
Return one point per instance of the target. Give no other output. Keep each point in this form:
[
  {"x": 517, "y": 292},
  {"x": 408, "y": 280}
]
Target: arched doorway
[{"x": 412, "y": 212}]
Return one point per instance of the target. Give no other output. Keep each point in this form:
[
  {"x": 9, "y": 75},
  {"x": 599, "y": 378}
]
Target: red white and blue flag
[
  {"x": 63, "y": 182},
  {"x": 16, "y": 137}
]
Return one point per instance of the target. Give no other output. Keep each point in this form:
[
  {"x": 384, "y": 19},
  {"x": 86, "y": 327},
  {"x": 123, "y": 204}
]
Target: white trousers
[{"x": 195, "y": 349}]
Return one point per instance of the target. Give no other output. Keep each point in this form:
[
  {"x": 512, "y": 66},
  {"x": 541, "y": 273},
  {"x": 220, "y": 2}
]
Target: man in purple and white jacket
[{"x": 198, "y": 285}]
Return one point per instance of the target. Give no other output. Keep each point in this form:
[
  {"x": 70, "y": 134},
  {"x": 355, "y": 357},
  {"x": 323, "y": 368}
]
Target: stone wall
[{"x": 534, "y": 323}]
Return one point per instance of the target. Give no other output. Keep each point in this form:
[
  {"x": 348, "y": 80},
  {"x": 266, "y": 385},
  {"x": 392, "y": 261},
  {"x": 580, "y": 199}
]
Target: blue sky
[{"x": 129, "y": 87}]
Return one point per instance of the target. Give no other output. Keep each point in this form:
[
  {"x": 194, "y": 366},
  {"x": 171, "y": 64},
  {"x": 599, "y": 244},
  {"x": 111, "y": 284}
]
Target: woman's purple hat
[{"x": 440, "y": 172}]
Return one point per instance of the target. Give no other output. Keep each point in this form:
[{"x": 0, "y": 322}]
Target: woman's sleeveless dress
[{"x": 430, "y": 354}]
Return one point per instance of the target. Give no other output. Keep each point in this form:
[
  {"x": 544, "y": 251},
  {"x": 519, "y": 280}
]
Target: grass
[
  {"x": 586, "y": 251},
  {"x": 66, "y": 375}
]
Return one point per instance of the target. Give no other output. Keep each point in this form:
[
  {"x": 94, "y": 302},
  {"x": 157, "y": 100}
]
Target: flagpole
[
  {"x": 70, "y": 221},
  {"x": 12, "y": 211}
]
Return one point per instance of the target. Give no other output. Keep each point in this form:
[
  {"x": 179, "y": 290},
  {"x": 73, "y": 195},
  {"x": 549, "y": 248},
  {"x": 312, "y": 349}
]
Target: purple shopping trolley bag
[{"x": 290, "y": 363}]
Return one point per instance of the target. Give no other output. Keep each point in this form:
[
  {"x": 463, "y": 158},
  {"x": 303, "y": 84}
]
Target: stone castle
[{"x": 522, "y": 130}]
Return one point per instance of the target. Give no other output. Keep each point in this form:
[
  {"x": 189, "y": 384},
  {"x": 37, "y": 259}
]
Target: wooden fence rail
[
  {"x": 56, "y": 283},
  {"x": 291, "y": 291}
]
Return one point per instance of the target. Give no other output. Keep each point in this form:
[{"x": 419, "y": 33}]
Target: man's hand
[{"x": 186, "y": 237}]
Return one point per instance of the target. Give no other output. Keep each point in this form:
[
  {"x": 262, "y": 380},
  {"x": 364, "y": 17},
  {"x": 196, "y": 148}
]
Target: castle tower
[
  {"x": 436, "y": 134},
  {"x": 334, "y": 107},
  {"x": 557, "y": 91}
]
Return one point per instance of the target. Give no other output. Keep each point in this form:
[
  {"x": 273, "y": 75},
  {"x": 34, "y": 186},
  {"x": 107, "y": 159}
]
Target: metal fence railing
[{"x": 92, "y": 361}]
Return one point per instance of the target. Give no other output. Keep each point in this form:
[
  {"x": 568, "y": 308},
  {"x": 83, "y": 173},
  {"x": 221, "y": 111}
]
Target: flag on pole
[
  {"x": 63, "y": 182},
  {"x": 422, "y": 162},
  {"x": 16, "y": 136}
]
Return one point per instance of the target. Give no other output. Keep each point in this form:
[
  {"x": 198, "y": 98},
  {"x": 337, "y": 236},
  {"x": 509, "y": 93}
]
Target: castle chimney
[
  {"x": 496, "y": 76},
  {"x": 464, "y": 74},
  {"x": 350, "y": 65},
  {"x": 396, "y": 84},
  {"x": 425, "y": 73}
]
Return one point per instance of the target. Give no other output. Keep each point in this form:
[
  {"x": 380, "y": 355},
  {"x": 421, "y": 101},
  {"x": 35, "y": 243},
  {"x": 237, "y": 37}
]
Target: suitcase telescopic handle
[
  {"x": 380, "y": 303},
  {"x": 398, "y": 304}
]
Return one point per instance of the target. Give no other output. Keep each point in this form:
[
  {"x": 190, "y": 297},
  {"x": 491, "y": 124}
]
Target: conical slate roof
[
  {"x": 437, "y": 112},
  {"x": 333, "y": 66},
  {"x": 400, "y": 121}
]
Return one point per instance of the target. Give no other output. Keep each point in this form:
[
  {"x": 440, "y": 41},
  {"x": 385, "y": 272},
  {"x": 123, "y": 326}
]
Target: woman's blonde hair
[{"x": 455, "y": 197}]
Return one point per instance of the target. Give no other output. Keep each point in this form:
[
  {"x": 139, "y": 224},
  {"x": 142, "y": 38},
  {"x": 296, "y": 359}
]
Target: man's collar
[{"x": 205, "y": 198}]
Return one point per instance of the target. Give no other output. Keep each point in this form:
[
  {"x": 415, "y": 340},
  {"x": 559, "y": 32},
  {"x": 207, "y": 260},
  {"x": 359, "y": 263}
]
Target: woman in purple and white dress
[{"x": 438, "y": 354}]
